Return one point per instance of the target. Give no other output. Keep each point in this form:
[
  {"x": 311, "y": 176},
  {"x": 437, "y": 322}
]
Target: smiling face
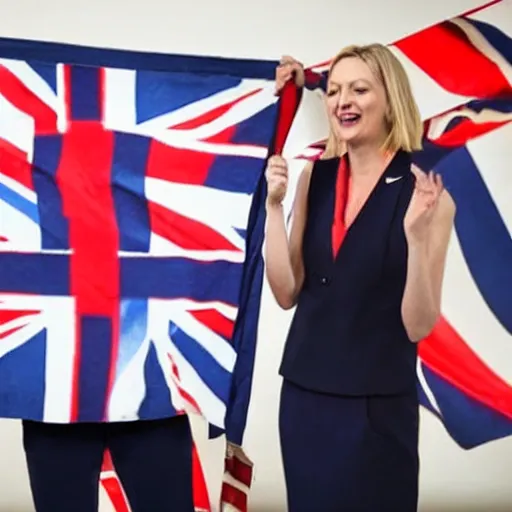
[{"x": 356, "y": 103}]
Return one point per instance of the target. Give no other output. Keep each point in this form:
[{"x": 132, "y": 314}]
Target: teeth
[{"x": 350, "y": 117}]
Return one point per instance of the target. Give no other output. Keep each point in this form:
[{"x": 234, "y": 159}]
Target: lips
[{"x": 349, "y": 119}]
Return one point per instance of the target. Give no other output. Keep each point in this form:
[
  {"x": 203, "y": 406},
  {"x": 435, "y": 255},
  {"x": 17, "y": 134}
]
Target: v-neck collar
[{"x": 394, "y": 171}]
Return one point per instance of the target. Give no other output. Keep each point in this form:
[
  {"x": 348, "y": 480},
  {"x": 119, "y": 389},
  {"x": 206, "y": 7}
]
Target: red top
[{"x": 339, "y": 228}]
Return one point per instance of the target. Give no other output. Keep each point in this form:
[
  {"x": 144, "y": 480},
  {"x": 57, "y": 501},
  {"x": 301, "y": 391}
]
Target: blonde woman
[{"x": 364, "y": 267}]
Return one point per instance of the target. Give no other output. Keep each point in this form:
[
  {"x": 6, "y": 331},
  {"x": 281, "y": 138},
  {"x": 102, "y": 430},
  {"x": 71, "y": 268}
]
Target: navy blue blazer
[{"x": 347, "y": 335}]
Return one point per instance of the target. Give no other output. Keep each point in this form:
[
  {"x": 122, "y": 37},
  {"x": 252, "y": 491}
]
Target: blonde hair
[{"x": 406, "y": 128}]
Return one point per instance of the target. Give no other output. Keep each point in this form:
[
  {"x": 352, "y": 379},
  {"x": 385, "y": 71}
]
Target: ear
[{"x": 388, "y": 116}]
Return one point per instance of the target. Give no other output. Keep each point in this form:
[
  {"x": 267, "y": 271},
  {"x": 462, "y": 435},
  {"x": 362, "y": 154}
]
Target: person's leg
[
  {"x": 392, "y": 460},
  {"x": 64, "y": 464},
  {"x": 322, "y": 439},
  {"x": 153, "y": 460}
]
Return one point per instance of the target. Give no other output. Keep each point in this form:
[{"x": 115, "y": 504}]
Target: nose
[{"x": 344, "y": 101}]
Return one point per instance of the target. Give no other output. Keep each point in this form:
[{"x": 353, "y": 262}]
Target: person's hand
[
  {"x": 423, "y": 204},
  {"x": 277, "y": 180},
  {"x": 288, "y": 68}
]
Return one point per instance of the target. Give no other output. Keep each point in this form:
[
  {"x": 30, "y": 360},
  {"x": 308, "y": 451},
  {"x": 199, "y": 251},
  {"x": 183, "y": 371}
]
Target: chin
[
  {"x": 349, "y": 137},
  {"x": 348, "y": 134}
]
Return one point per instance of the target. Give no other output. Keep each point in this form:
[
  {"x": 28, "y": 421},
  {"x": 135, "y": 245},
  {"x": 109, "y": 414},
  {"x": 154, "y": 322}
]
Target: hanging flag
[{"x": 126, "y": 186}]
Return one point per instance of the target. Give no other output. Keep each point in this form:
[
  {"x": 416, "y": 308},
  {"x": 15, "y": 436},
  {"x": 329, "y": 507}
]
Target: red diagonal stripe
[
  {"x": 114, "y": 490},
  {"x": 466, "y": 131},
  {"x": 239, "y": 470},
  {"x": 447, "y": 354},
  {"x": 444, "y": 53},
  {"x": 201, "y": 497},
  {"x": 107, "y": 464},
  {"x": 233, "y": 496},
  {"x": 17, "y": 93},
  {"x": 211, "y": 115},
  {"x": 7, "y": 333},
  {"x": 216, "y": 321},
  {"x": 178, "y": 165},
  {"x": 481, "y": 7},
  {"x": 311, "y": 74},
  {"x": 177, "y": 380},
  {"x": 8, "y": 315},
  {"x": 185, "y": 232},
  {"x": 14, "y": 164}
]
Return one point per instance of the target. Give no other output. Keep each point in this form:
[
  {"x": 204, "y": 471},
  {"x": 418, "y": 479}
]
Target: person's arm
[
  {"x": 283, "y": 257},
  {"x": 421, "y": 304}
]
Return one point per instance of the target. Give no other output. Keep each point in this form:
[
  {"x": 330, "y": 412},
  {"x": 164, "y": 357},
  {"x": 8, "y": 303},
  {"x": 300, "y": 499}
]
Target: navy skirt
[{"x": 349, "y": 454}]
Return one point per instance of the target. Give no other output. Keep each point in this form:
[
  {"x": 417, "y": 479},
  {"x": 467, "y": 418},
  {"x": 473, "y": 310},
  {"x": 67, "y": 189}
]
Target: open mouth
[{"x": 349, "y": 119}]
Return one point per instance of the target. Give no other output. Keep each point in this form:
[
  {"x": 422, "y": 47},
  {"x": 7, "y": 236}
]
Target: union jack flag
[
  {"x": 124, "y": 203},
  {"x": 126, "y": 184}
]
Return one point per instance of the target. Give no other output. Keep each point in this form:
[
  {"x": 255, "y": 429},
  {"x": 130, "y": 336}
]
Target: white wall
[{"x": 451, "y": 479}]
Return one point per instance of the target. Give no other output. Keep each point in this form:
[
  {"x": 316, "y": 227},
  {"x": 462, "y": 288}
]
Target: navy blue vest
[{"x": 347, "y": 335}]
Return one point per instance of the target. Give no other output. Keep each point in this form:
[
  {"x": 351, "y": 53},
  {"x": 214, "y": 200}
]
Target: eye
[
  {"x": 331, "y": 92},
  {"x": 360, "y": 90}
]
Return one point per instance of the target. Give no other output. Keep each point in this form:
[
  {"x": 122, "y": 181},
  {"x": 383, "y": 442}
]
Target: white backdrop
[{"x": 451, "y": 479}]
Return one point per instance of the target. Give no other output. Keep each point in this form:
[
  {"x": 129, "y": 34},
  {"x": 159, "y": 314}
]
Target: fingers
[
  {"x": 422, "y": 185},
  {"x": 278, "y": 183},
  {"x": 427, "y": 183},
  {"x": 434, "y": 184},
  {"x": 288, "y": 60},
  {"x": 284, "y": 73},
  {"x": 276, "y": 167},
  {"x": 276, "y": 174},
  {"x": 277, "y": 160},
  {"x": 428, "y": 187},
  {"x": 288, "y": 66},
  {"x": 418, "y": 173},
  {"x": 438, "y": 180}
]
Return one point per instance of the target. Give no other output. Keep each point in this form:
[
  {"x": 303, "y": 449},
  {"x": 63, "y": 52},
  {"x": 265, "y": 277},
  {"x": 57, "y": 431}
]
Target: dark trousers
[
  {"x": 153, "y": 460},
  {"x": 349, "y": 453}
]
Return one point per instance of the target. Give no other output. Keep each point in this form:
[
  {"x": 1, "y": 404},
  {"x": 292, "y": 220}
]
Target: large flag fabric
[
  {"x": 125, "y": 200},
  {"x": 126, "y": 185},
  {"x": 132, "y": 225}
]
